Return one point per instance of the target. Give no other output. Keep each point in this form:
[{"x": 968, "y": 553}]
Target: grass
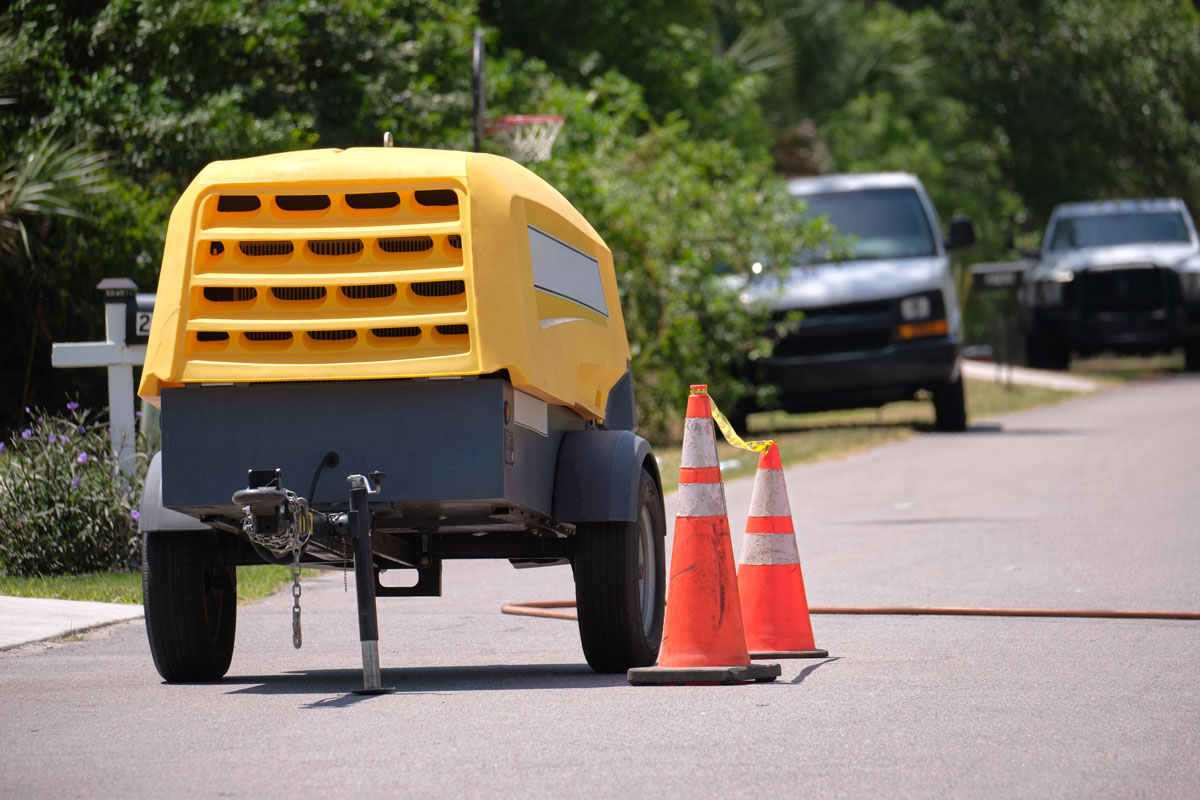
[
  {"x": 1128, "y": 368},
  {"x": 254, "y": 583},
  {"x": 836, "y": 434}
]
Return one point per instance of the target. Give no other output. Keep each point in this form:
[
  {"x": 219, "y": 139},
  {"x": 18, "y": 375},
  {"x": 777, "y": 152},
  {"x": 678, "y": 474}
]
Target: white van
[{"x": 880, "y": 325}]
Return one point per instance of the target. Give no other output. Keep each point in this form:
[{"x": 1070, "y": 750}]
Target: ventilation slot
[
  {"x": 238, "y": 202},
  {"x": 451, "y": 330},
  {"x": 212, "y": 336},
  {"x": 265, "y": 248},
  {"x": 216, "y": 248},
  {"x": 455, "y": 241},
  {"x": 268, "y": 336},
  {"x": 302, "y": 202},
  {"x": 298, "y": 292},
  {"x": 406, "y": 244},
  {"x": 229, "y": 294},
  {"x": 373, "y": 200},
  {"x": 436, "y": 197},
  {"x": 396, "y": 333},
  {"x": 332, "y": 336},
  {"x": 371, "y": 292},
  {"x": 439, "y": 288},
  {"x": 336, "y": 247}
]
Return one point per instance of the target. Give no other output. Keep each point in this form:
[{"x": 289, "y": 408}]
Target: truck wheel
[
  {"x": 190, "y": 598},
  {"x": 950, "y": 407},
  {"x": 1046, "y": 352},
  {"x": 1191, "y": 356},
  {"x": 620, "y": 585}
]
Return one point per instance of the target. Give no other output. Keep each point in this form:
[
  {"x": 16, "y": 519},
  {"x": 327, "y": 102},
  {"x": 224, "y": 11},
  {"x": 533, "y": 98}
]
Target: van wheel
[
  {"x": 620, "y": 585},
  {"x": 950, "y": 406},
  {"x": 190, "y": 598}
]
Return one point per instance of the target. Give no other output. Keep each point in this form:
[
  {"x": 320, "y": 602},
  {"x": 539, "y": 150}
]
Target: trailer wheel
[
  {"x": 190, "y": 598},
  {"x": 620, "y": 585},
  {"x": 950, "y": 407}
]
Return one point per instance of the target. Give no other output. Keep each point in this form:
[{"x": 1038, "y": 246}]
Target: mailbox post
[{"x": 126, "y": 327}]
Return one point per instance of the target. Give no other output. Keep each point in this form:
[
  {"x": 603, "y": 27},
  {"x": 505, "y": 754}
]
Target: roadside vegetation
[
  {"x": 805, "y": 438},
  {"x": 254, "y": 583}
]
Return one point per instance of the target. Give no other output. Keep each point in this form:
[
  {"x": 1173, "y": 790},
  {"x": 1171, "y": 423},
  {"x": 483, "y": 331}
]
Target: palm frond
[
  {"x": 52, "y": 181},
  {"x": 764, "y": 47}
]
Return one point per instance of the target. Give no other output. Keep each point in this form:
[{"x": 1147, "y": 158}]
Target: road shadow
[
  {"x": 340, "y": 683},
  {"x": 996, "y": 429},
  {"x": 809, "y": 670},
  {"x": 922, "y": 521}
]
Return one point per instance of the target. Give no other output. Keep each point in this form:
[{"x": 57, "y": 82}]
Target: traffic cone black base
[{"x": 703, "y": 676}]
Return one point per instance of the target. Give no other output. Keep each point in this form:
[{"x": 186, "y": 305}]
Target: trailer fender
[
  {"x": 598, "y": 475},
  {"x": 153, "y": 516}
]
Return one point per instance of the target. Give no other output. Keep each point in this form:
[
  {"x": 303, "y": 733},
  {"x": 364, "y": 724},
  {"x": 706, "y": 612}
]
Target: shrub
[{"x": 64, "y": 507}]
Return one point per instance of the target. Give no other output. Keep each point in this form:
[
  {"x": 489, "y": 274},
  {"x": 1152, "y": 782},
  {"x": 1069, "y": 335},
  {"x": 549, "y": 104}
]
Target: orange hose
[{"x": 549, "y": 609}]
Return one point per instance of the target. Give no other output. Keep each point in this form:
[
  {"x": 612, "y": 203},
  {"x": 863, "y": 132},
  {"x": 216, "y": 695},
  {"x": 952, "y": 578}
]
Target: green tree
[{"x": 1092, "y": 98}]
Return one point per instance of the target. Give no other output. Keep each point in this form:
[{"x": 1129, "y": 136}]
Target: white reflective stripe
[
  {"x": 699, "y": 443},
  {"x": 565, "y": 271},
  {"x": 700, "y": 500},
  {"x": 770, "y": 548},
  {"x": 769, "y": 497}
]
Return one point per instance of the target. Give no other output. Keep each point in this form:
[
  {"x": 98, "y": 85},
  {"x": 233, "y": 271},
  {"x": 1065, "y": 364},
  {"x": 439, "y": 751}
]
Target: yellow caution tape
[{"x": 729, "y": 433}]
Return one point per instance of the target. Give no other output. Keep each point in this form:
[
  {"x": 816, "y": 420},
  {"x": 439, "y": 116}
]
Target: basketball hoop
[{"x": 529, "y": 137}]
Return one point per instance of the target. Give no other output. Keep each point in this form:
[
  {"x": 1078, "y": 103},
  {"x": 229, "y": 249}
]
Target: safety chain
[
  {"x": 291, "y": 534},
  {"x": 297, "y": 638}
]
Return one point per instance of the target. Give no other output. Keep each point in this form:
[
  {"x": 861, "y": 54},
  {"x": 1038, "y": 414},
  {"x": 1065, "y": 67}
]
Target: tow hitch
[{"x": 279, "y": 524}]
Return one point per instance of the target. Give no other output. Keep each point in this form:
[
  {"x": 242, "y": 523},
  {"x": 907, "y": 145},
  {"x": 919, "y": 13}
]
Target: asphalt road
[{"x": 1089, "y": 504}]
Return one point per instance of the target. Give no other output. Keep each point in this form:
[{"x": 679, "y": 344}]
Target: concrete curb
[
  {"x": 31, "y": 619},
  {"x": 1007, "y": 373}
]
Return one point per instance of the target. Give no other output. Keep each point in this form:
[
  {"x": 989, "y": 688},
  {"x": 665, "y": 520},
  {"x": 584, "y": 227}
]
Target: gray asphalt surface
[{"x": 1090, "y": 504}]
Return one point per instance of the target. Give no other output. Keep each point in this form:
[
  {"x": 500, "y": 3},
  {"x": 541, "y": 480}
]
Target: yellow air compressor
[{"x": 378, "y": 359}]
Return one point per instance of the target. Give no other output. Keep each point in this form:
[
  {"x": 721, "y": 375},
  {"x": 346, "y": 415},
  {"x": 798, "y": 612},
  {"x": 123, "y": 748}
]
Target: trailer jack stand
[{"x": 364, "y": 580}]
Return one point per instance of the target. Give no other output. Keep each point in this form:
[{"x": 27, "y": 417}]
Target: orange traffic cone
[
  {"x": 703, "y": 638},
  {"x": 770, "y": 583}
]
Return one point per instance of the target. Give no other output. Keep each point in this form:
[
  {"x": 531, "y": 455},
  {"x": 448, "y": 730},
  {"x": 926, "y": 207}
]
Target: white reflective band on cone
[
  {"x": 701, "y": 500},
  {"x": 769, "y": 548},
  {"x": 699, "y": 443},
  {"x": 769, "y": 497}
]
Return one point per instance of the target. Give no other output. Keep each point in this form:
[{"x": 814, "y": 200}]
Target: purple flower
[
  {"x": 82, "y": 429},
  {"x": 1, "y": 447},
  {"x": 27, "y": 411},
  {"x": 52, "y": 439},
  {"x": 135, "y": 514},
  {"x": 72, "y": 406},
  {"x": 82, "y": 458},
  {"x": 137, "y": 414},
  {"x": 25, "y": 434},
  {"x": 63, "y": 439},
  {"x": 75, "y": 481}
]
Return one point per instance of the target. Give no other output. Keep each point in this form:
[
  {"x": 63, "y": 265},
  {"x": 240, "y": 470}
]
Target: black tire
[
  {"x": 620, "y": 596},
  {"x": 1043, "y": 351},
  {"x": 1191, "y": 356},
  {"x": 190, "y": 598},
  {"x": 950, "y": 407}
]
